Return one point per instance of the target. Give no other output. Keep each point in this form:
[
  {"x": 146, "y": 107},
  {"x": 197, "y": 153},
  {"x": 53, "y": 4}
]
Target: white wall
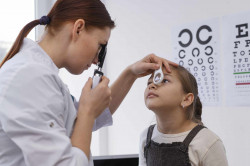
[
  {"x": 42, "y": 8},
  {"x": 143, "y": 26}
]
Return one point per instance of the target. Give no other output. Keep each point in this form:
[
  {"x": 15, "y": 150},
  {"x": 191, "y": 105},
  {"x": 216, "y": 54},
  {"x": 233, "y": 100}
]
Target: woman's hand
[
  {"x": 148, "y": 64},
  {"x": 91, "y": 104},
  {"x": 94, "y": 101}
]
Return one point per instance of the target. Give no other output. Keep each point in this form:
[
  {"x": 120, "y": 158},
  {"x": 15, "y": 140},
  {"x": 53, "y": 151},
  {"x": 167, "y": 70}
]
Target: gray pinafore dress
[{"x": 174, "y": 154}]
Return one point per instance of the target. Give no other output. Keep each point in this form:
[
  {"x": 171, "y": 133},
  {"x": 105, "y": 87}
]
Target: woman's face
[
  {"x": 84, "y": 52},
  {"x": 166, "y": 95}
]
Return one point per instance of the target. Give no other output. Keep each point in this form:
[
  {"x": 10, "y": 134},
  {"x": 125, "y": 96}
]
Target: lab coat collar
[{"x": 38, "y": 53}]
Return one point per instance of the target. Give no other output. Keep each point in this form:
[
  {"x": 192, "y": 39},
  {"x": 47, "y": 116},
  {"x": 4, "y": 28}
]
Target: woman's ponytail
[{"x": 19, "y": 40}]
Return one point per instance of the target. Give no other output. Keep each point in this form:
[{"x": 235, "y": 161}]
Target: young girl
[
  {"x": 39, "y": 123},
  {"x": 179, "y": 137}
]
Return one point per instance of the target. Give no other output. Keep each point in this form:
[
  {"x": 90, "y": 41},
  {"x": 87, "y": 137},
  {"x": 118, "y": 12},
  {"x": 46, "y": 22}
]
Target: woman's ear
[
  {"x": 187, "y": 100},
  {"x": 78, "y": 28}
]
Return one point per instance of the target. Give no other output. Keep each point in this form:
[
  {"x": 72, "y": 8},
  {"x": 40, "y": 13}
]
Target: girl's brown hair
[
  {"x": 189, "y": 85},
  {"x": 93, "y": 12}
]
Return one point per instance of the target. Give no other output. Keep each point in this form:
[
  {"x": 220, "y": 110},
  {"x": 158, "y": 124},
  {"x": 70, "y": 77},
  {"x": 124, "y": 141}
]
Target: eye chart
[
  {"x": 236, "y": 46},
  {"x": 196, "y": 47}
]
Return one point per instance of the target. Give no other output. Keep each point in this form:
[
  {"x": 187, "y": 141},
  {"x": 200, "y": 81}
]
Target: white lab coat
[{"x": 37, "y": 113}]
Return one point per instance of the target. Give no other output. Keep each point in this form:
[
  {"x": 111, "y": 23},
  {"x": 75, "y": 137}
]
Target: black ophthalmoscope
[{"x": 98, "y": 72}]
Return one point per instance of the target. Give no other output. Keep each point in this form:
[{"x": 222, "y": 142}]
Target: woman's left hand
[{"x": 148, "y": 64}]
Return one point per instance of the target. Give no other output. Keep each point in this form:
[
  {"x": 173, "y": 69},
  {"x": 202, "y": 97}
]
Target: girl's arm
[{"x": 216, "y": 155}]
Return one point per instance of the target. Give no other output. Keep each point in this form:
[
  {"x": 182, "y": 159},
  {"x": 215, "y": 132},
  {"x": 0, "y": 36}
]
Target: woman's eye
[{"x": 100, "y": 47}]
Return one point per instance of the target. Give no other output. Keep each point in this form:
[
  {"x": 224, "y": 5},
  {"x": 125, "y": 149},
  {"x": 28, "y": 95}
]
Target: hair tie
[{"x": 44, "y": 20}]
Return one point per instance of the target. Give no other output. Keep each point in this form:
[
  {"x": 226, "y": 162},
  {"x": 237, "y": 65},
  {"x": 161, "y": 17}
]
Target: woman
[{"x": 39, "y": 123}]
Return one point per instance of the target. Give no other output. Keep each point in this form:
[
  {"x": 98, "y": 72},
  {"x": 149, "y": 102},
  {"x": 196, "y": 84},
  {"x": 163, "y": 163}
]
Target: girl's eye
[
  {"x": 149, "y": 83},
  {"x": 165, "y": 81}
]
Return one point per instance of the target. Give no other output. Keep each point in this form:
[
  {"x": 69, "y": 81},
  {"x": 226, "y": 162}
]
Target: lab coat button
[{"x": 51, "y": 124}]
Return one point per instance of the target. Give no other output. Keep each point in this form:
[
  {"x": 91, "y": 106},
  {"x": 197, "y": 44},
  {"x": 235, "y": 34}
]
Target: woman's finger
[
  {"x": 150, "y": 66},
  {"x": 166, "y": 64},
  {"x": 172, "y": 63},
  {"x": 155, "y": 59},
  {"x": 88, "y": 84},
  {"x": 162, "y": 61},
  {"x": 105, "y": 80}
]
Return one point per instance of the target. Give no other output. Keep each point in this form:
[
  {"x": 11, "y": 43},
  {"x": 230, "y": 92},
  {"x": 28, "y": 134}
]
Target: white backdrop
[{"x": 143, "y": 27}]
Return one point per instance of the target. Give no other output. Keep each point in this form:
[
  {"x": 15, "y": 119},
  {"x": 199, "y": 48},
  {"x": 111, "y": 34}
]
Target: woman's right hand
[{"x": 94, "y": 101}]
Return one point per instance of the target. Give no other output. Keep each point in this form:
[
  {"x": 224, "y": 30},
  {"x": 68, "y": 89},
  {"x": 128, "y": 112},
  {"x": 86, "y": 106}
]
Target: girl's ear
[
  {"x": 187, "y": 100},
  {"x": 78, "y": 28}
]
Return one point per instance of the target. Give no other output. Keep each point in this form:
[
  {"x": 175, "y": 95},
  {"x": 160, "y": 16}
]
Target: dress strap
[
  {"x": 148, "y": 140},
  {"x": 192, "y": 134}
]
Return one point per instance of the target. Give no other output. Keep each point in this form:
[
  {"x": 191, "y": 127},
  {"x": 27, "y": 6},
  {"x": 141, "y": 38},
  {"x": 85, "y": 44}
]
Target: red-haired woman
[{"x": 39, "y": 123}]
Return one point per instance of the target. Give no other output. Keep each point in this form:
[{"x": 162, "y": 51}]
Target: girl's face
[
  {"x": 166, "y": 95},
  {"x": 85, "y": 50}
]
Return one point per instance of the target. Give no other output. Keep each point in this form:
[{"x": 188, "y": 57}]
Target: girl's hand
[
  {"x": 94, "y": 101},
  {"x": 148, "y": 64}
]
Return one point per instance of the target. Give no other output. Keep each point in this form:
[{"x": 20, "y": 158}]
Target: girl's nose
[{"x": 152, "y": 86}]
